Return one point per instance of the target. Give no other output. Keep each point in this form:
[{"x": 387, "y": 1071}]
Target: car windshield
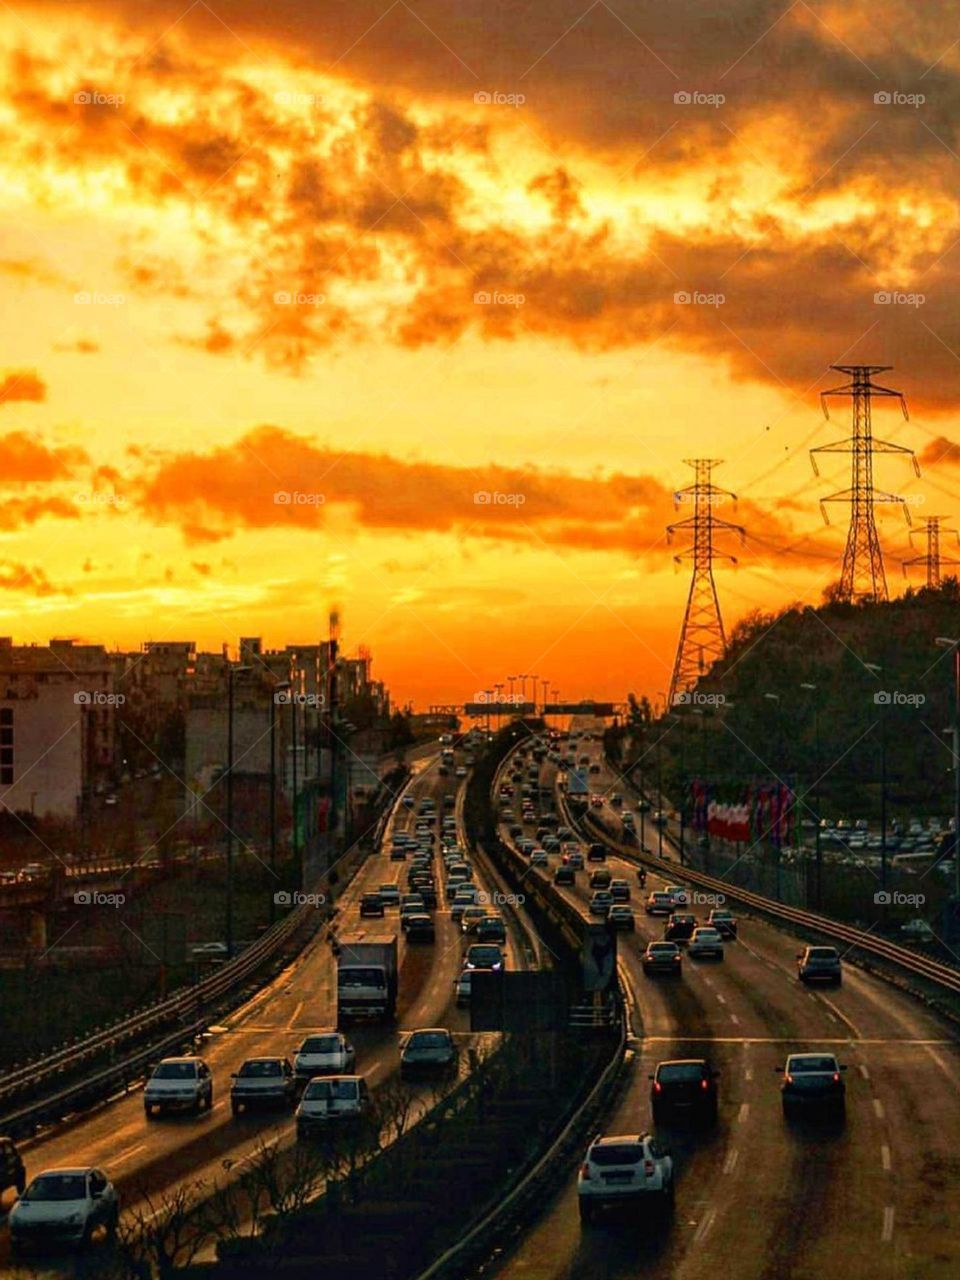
[
  {"x": 330, "y": 1089},
  {"x": 674, "y": 1071},
  {"x": 621, "y": 1153},
  {"x": 321, "y": 1044},
  {"x": 360, "y": 978},
  {"x": 259, "y": 1069},
  {"x": 799, "y": 1065},
  {"x": 58, "y": 1186},
  {"x": 485, "y": 957},
  {"x": 428, "y": 1040},
  {"x": 175, "y": 1071}
]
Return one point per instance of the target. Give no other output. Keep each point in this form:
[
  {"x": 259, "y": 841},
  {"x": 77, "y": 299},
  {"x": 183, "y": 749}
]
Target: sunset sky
[{"x": 243, "y": 252}]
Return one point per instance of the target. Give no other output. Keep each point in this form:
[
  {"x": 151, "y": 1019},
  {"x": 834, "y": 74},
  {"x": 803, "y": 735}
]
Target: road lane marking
[
  {"x": 885, "y": 1157},
  {"x": 734, "y": 1019},
  {"x": 743, "y": 1112},
  {"x": 748, "y": 1074},
  {"x": 721, "y": 999},
  {"x": 887, "y": 1233},
  {"x": 125, "y": 1155},
  {"x": 864, "y": 1071},
  {"x": 878, "y": 1108},
  {"x": 294, "y": 1016},
  {"x": 706, "y": 1222},
  {"x": 733, "y": 1155}
]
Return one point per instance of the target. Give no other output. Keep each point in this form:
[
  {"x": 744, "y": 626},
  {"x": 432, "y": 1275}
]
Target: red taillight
[
  {"x": 657, "y": 1087},
  {"x": 704, "y": 1084},
  {"x": 836, "y": 1077},
  {"x": 585, "y": 1171},
  {"x": 789, "y": 1078}
]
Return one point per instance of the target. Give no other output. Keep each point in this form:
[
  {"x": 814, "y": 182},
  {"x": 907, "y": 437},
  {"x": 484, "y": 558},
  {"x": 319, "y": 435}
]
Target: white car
[
  {"x": 628, "y": 1170},
  {"x": 64, "y": 1206},
  {"x": 178, "y": 1084},
  {"x": 460, "y": 771},
  {"x": 331, "y": 1099},
  {"x": 539, "y": 858},
  {"x": 706, "y": 941},
  {"x": 262, "y": 1082}
]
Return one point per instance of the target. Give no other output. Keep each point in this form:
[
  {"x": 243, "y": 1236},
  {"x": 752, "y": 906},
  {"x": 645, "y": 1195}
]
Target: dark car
[
  {"x": 564, "y": 875},
  {"x": 662, "y": 957},
  {"x": 12, "y": 1171},
  {"x": 419, "y": 927},
  {"x": 491, "y": 929},
  {"x": 724, "y": 921},
  {"x": 819, "y": 964},
  {"x": 680, "y": 927},
  {"x": 812, "y": 1080},
  {"x": 600, "y": 880},
  {"x": 596, "y": 853},
  {"x": 684, "y": 1087},
  {"x": 620, "y": 890},
  {"x": 484, "y": 955},
  {"x": 371, "y": 904},
  {"x": 429, "y": 1051},
  {"x": 621, "y": 917}
]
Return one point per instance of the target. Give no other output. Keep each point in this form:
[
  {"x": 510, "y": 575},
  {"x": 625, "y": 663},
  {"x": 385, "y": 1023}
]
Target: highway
[
  {"x": 147, "y": 1159},
  {"x": 758, "y": 1197}
]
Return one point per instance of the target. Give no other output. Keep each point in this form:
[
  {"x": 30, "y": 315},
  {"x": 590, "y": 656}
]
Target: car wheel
[{"x": 586, "y": 1212}]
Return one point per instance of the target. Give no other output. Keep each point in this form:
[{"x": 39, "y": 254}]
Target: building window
[{"x": 6, "y": 746}]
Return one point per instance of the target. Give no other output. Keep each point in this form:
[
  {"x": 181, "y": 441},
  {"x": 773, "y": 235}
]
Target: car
[
  {"x": 428, "y": 1051},
  {"x": 111, "y": 800},
  {"x": 324, "y": 1053},
  {"x": 680, "y": 896},
  {"x": 565, "y": 875},
  {"x": 819, "y": 964},
  {"x": 484, "y": 955},
  {"x": 462, "y": 987},
  {"x": 596, "y": 801},
  {"x": 462, "y": 900},
  {"x": 621, "y": 917},
  {"x": 419, "y": 927},
  {"x": 389, "y": 895},
  {"x": 616, "y": 800},
  {"x": 460, "y": 771},
  {"x": 64, "y": 1206},
  {"x": 471, "y": 918},
  {"x": 659, "y": 903},
  {"x": 576, "y": 861},
  {"x": 491, "y": 929},
  {"x": 408, "y": 802},
  {"x": 596, "y": 852},
  {"x": 680, "y": 927},
  {"x": 398, "y": 852},
  {"x": 600, "y": 902},
  {"x": 724, "y": 921},
  {"x": 539, "y": 858},
  {"x": 684, "y": 1087},
  {"x": 371, "y": 904},
  {"x": 705, "y": 941},
  {"x": 595, "y": 768},
  {"x": 178, "y": 1084},
  {"x": 628, "y": 822},
  {"x": 12, "y": 1170},
  {"x": 626, "y": 1169},
  {"x": 620, "y": 890},
  {"x": 330, "y": 1099},
  {"x": 812, "y": 1080},
  {"x": 662, "y": 957},
  {"x": 600, "y": 879},
  {"x": 262, "y": 1082},
  {"x": 410, "y": 901}
]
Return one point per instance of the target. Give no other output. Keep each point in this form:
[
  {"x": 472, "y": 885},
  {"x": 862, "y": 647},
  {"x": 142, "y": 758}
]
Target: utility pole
[
  {"x": 931, "y": 559},
  {"x": 702, "y": 639},
  {"x": 862, "y": 575}
]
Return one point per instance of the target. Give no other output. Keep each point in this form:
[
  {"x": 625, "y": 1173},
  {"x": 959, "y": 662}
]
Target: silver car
[
  {"x": 328, "y": 1053},
  {"x": 331, "y": 1099}
]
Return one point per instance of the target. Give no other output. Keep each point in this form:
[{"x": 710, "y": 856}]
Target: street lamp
[
  {"x": 946, "y": 642},
  {"x": 812, "y": 688},
  {"x": 232, "y": 671},
  {"x": 876, "y": 669},
  {"x": 498, "y": 687}
]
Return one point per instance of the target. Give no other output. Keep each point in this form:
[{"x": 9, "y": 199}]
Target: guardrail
[{"x": 903, "y": 958}]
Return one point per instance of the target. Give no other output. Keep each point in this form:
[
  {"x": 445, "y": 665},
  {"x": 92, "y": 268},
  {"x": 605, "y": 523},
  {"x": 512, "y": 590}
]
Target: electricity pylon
[{"x": 932, "y": 559}]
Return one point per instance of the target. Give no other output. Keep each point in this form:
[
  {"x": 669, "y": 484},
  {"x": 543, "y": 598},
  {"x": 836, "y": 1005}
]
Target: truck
[{"x": 366, "y": 977}]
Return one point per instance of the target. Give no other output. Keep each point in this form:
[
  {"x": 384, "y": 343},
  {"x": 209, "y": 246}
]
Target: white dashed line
[
  {"x": 885, "y": 1157},
  {"x": 878, "y": 1108},
  {"x": 721, "y": 999},
  {"x": 748, "y": 1074},
  {"x": 864, "y": 1072},
  {"x": 125, "y": 1155},
  {"x": 734, "y": 1019},
  {"x": 706, "y": 1222},
  {"x": 733, "y": 1155},
  {"x": 887, "y": 1234},
  {"x": 743, "y": 1112}
]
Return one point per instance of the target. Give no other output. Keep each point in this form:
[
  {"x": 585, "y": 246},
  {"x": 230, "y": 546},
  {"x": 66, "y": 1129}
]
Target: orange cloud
[
  {"x": 24, "y": 459},
  {"x": 25, "y": 385}
]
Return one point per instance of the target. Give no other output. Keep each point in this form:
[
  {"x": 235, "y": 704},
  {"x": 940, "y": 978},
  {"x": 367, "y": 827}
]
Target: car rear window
[
  {"x": 428, "y": 1040},
  {"x": 344, "y": 1089},
  {"x": 822, "y": 953},
  {"x": 175, "y": 1071},
  {"x": 677, "y": 1071},
  {"x": 621, "y": 1153},
  {"x": 321, "y": 1044},
  {"x": 662, "y": 948},
  {"x": 260, "y": 1070},
  {"x": 799, "y": 1065}
]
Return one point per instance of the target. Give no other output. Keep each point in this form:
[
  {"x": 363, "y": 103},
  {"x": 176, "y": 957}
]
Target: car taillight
[
  {"x": 836, "y": 1077},
  {"x": 789, "y": 1078},
  {"x": 704, "y": 1084},
  {"x": 657, "y": 1087},
  {"x": 585, "y": 1171}
]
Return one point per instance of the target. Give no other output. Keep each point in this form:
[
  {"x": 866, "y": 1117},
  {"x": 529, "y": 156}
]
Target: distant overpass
[{"x": 505, "y": 705}]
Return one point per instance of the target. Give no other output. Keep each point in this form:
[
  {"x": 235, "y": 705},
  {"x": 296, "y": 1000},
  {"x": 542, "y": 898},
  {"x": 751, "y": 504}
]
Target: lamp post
[
  {"x": 232, "y": 671},
  {"x": 876, "y": 669},
  {"x": 777, "y": 837},
  {"x": 498, "y": 688},
  {"x": 946, "y": 642},
  {"x": 818, "y": 855},
  {"x": 545, "y": 684}
]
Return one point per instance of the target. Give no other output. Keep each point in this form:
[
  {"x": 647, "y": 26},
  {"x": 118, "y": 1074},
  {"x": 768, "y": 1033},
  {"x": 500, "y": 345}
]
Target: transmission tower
[
  {"x": 862, "y": 576},
  {"x": 932, "y": 559},
  {"x": 702, "y": 639}
]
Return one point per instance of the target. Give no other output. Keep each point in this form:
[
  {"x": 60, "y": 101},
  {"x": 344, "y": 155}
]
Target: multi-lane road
[{"x": 878, "y": 1196}]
